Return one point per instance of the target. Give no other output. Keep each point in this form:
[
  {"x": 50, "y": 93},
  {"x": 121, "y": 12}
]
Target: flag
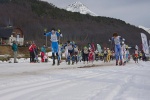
[
  {"x": 145, "y": 44},
  {"x": 99, "y": 48},
  {"x": 136, "y": 47}
]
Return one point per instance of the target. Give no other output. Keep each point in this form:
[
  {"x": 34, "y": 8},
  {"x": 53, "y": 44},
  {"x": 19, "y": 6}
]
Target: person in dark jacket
[
  {"x": 85, "y": 54},
  {"x": 15, "y": 49}
]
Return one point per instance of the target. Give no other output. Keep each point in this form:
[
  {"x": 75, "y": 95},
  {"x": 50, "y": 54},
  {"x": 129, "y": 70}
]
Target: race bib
[{"x": 54, "y": 38}]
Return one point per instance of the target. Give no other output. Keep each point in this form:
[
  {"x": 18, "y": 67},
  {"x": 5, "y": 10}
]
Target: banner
[
  {"x": 145, "y": 44},
  {"x": 149, "y": 43},
  {"x": 99, "y": 48}
]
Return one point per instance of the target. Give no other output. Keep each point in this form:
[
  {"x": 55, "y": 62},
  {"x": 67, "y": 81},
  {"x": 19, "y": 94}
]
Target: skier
[
  {"x": 70, "y": 56},
  {"x": 91, "y": 56},
  {"x": 60, "y": 52},
  {"x": 127, "y": 54},
  {"x": 93, "y": 49},
  {"x": 79, "y": 55},
  {"x": 117, "y": 40},
  {"x": 113, "y": 55},
  {"x": 140, "y": 55},
  {"x": 108, "y": 55},
  {"x": 123, "y": 49},
  {"x": 85, "y": 53},
  {"x": 105, "y": 54},
  {"x": 76, "y": 53},
  {"x": 101, "y": 56},
  {"x": 136, "y": 55},
  {"x": 54, "y": 35},
  {"x": 96, "y": 55}
]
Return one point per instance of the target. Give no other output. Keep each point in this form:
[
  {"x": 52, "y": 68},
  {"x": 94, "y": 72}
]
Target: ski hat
[
  {"x": 85, "y": 47},
  {"x": 58, "y": 31},
  {"x": 68, "y": 41},
  {"x": 126, "y": 46},
  {"x": 53, "y": 30}
]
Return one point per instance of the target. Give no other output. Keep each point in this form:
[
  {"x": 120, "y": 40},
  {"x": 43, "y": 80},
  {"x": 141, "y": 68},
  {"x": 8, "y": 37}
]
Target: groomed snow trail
[{"x": 101, "y": 81}]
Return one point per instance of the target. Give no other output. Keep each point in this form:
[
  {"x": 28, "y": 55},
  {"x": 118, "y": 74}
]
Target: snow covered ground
[{"x": 101, "y": 81}]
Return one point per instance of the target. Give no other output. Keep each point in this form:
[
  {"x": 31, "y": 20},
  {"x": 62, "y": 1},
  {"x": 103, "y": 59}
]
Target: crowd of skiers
[{"x": 74, "y": 54}]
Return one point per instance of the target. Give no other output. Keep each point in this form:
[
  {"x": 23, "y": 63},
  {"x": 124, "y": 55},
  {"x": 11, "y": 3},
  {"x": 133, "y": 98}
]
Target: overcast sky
[{"x": 135, "y": 12}]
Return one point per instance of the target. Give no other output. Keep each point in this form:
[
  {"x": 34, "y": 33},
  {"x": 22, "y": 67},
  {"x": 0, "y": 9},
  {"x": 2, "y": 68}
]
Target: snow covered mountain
[
  {"x": 79, "y": 7},
  {"x": 146, "y": 29}
]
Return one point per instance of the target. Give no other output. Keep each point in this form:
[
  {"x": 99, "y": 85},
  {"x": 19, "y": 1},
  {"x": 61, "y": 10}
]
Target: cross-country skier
[
  {"x": 108, "y": 55},
  {"x": 91, "y": 56},
  {"x": 123, "y": 49},
  {"x": 54, "y": 35},
  {"x": 85, "y": 53},
  {"x": 79, "y": 55},
  {"x": 76, "y": 53},
  {"x": 105, "y": 54},
  {"x": 117, "y": 40},
  {"x": 136, "y": 55},
  {"x": 96, "y": 55},
  {"x": 70, "y": 56}
]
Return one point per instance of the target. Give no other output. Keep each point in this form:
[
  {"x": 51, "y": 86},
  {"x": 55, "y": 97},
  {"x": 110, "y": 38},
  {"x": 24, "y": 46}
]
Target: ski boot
[
  {"x": 53, "y": 57},
  {"x": 72, "y": 62},
  {"x": 53, "y": 62},
  {"x": 116, "y": 62},
  {"x": 69, "y": 62},
  {"x": 120, "y": 63},
  {"x": 58, "y": 62}
]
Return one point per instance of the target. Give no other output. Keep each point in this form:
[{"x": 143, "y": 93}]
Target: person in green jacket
[{"x": 15, "y": 49}]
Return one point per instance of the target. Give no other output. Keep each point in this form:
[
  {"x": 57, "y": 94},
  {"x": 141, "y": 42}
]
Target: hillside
[
  {"x": 7, "y": 50},
  {"x": 33, "y": 16}
]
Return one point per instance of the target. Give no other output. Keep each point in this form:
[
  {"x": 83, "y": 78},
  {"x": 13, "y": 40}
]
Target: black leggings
[
  {"x": 53, "y": 56},
  {"x": 32, "y": 57},
  {"x": 85, "y": 57}
]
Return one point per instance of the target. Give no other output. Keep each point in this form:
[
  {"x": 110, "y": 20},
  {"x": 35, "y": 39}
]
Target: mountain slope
[
  {"x": 144, "y": 28},
  {"x": 34, "y": 16},
  {"x": 79, "y": 7}
]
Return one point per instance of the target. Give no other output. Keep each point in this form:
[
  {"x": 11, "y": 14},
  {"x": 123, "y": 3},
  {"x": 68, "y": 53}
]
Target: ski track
[
  {"x": 74, "y": 83},
  {"x": 10, "y": 94}
]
